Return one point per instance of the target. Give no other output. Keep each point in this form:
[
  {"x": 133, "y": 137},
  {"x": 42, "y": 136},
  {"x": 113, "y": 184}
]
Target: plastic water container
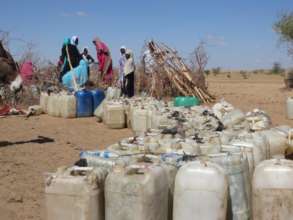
[
  {"x": 140, "y": 120},
  {"x": 113, "y": 93},
  {"x": 54, "y": 105},
  {"x": 99, "y": 112},
  {"x": 233, "y": 117},
  {"x": 98, "y": 97},
  {"x": 290, "y": 108},
  {"x": 159, "y": 120},
  {"x": 171, "y": 171},
  {"x": 128, "y": 146},
  {"x": 211, "y": 145},
  {"x": 114, "y": 115},
  {"x": 273, "y": 190},
  {"x": 139, "y": 191},
  {"x": 236, "y": 168},
  {"x": 105, "y": 159},
  {"x": 84, "y": 103},
  {"x": 44, "y": 98},
  {"x": 201, "y": 192},
  {"x": 75, "y": 193},
  {"x": 67, "y": 105},
  {"x": 255, "y": 147},
  {"x": 277, "y": 139}
]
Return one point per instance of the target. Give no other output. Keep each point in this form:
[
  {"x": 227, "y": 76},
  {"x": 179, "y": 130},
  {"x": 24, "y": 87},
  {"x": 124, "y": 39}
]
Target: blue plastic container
[
  {"x": 98, "y": 97},
  {"x": 84, "y": 103}
]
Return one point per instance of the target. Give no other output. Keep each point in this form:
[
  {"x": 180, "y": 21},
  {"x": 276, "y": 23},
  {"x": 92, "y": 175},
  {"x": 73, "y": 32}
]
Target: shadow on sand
[{"x": 39, "y": 140}]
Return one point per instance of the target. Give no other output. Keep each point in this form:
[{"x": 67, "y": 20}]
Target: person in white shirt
[
  {"x": 122, "y": 60},
  {"x": 129, "y": 69},
  {"x": 148, "y": 60}
]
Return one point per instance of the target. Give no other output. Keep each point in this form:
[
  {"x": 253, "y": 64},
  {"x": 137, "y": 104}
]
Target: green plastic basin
[{"x": 186, "y": 101}]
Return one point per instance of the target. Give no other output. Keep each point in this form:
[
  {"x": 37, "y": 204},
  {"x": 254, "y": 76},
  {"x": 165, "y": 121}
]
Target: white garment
[
  {"x": 73, "y": 40},
  {"x": 129, "y": 65},
  {"x": 149, "y": 62}
]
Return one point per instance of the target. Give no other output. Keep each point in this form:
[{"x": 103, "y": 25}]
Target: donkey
[{"x": 9, "y": 73}]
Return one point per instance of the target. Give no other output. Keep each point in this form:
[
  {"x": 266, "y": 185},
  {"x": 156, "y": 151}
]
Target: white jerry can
[
  {"x": 277, "y": 139},
  {"x": 67, "y": 106},
  {"x": 44, "y": 98},
  {"x": 255, "y": 147},
  {"x": 273, "y": 190},
  {"x": 232, "y": 118},
  {"x": 54, "y": 105},
  {"x": 236, "y": 167},
  {"x": 139, "y": 191},
  {"x": 290, "y": 108},
  {"x": 75, "y": 193},
  {"x": 140, "y": 120},
  {"x": 201, "y": 192},
  {"x": 114, "y": 115}
]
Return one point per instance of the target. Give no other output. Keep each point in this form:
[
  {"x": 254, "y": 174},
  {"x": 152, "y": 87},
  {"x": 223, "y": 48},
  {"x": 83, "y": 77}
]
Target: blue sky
[{"x": 239, "y": 33}]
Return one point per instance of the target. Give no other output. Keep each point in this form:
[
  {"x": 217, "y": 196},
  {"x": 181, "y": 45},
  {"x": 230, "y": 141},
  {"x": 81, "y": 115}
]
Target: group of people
[
  {"x": 75, "y": 65},
  {"x": 126, "y": 72}
]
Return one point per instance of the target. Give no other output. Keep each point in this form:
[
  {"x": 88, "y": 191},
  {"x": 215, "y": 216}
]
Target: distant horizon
[{"x": 239, "y": 35}]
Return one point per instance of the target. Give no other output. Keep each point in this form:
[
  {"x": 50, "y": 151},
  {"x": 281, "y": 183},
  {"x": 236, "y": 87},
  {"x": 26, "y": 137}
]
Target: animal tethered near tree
[{"x": 9, "y": 73}]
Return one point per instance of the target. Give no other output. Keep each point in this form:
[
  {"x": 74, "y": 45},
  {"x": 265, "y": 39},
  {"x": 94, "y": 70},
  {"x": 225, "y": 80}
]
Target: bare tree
[
  {"x": 199, "y": 58},
  {"x": 199, "y": 61},
  {"x": 31, "y": 54}
]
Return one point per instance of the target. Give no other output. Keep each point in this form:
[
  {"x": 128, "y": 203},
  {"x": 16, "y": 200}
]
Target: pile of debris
[{"x": 167, "y": 62}]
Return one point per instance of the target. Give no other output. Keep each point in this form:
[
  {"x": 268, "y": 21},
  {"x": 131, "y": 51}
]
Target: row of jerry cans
[
  {"x": 117, "y": 114},
  {"x": 217, "y": 187},
  {"x": 81, "y": 104}
]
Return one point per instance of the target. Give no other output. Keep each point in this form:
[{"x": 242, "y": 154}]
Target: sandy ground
[{"x": 23, "y": 165}]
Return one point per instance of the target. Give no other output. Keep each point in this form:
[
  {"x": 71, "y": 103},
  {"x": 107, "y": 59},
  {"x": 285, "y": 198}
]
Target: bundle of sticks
[{"x": 166, "y": 60}]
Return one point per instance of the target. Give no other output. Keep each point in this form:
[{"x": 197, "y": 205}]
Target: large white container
[
  {"x": 273, "y": 190},
  {"x": 211, "y": 145},
  {"x": 75, "y": 193},
  {"x": 254, "y": 146},
  {"x": 201, "y": 192},
  {"x": 140, "y": 120},
  {"x": 67, "y": 105},
  {"x": 233, "y": 117},
  {"x": 53, "y": 105},
  {"x": 113, "y": 93},
  {"x": 236, "y": 167},
  {"x": 159, "y": 120},
  {"x": 114, "y": 115},
  {"x": 44, "y": 97},
  {"x": 138, "y": 192},
  {"x": 277, "y": 139},
  {"x": 290, "y": 108},
  {"x": 171, "y": 171}
]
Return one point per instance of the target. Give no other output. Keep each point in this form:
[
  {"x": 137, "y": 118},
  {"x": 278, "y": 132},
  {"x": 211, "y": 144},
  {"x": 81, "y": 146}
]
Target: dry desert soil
[{"x": 23, "y": 162}]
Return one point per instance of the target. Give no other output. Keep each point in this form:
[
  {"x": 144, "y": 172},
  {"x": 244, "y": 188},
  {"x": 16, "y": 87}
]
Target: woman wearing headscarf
[
  {"x": 70, "y": 56},
  {"x": 105, "y": 61},
  {"x": 88, "y": 58},
  {"x": 129, "y": 69}
]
